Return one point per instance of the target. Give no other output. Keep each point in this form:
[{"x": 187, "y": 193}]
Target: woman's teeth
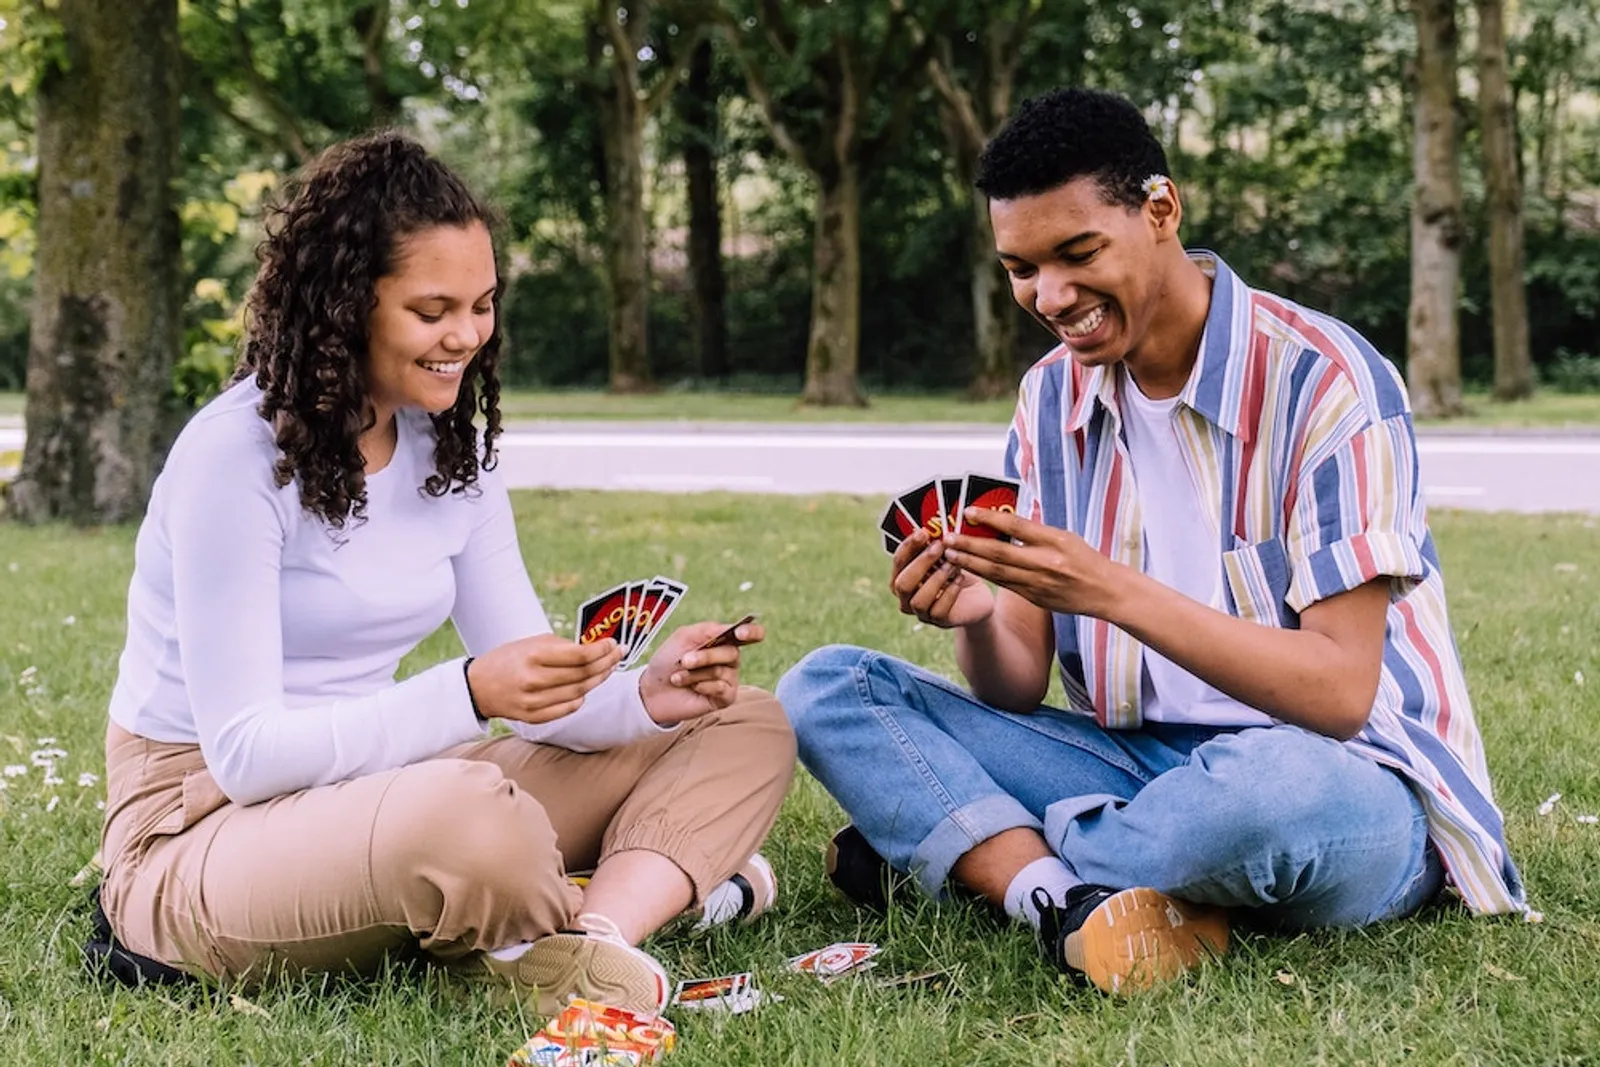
[
  {"x": 1086, "y": 325},
  {"x": 443, "y": 368}
]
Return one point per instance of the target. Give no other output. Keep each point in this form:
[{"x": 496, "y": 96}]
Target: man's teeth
[
  {"x": 443, "y": 368},
  {"x": 1086, "y": 325}
]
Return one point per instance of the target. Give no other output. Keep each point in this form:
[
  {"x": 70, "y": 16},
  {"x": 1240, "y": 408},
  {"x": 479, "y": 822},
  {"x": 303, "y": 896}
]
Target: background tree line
[{"x": 776, "y": 194}]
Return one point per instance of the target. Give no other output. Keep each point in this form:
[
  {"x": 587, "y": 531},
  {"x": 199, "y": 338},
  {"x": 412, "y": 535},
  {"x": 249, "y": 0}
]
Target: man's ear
[{"x": 1165, "y": 212}]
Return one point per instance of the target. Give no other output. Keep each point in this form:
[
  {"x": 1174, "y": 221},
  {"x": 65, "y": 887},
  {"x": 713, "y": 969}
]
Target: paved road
[{"x": 1500, "y": 472}]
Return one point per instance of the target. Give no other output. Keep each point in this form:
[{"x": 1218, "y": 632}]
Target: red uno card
[
  {"x": 837, "y": 960},
  {"x": 896, "y": 526},
  {"x": 659, "y": 596},
  {"x": 602, "y": 616},
  {"x": 733, "y": 993},
  {"x": 982, "y": 491},
  {"x": 924, "y": 507},
  {"x": 950, "y": 503}
]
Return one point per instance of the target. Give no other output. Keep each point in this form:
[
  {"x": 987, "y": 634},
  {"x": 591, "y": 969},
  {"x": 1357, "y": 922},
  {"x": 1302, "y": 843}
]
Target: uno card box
[{"x": 587, "y": 1034}]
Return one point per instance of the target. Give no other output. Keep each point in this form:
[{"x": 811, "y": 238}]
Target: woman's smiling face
[{"x": 434, "y": 311}]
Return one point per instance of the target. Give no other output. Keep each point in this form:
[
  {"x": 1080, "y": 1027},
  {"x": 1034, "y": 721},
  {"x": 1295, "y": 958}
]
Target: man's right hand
[
  {"x": 538, "y": 679},
  {"x": 934, "y": 590}
]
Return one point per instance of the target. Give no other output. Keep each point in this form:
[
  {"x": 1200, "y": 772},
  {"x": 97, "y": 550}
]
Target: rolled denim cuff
[{"x": 959, "y": 833}]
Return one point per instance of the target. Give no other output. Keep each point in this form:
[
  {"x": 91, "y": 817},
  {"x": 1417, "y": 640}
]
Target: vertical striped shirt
[{"x": 1298, "y": 436}]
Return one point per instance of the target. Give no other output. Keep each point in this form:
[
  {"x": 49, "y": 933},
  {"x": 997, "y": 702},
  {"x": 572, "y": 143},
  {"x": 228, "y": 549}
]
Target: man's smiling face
[{"x": 1087, "y": 269}]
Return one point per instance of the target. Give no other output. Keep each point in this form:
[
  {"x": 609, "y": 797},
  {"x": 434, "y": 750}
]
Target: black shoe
[
  {"x": 102, "y": 956},
  {"x": 859, "y": 872},
  {"x": 1127, "y": 939}
]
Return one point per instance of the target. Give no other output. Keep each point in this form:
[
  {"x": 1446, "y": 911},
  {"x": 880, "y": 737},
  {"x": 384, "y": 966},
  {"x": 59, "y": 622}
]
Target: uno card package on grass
[{"x": 587, "y": 1034}]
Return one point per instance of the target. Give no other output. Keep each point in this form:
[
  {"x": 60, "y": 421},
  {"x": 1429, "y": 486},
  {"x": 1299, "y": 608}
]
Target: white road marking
[
  {"x": 735, "y": 482},
  {"x": 822, "y": 442}
]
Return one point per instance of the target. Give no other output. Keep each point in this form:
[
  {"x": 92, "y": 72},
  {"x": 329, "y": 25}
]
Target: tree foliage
[{"x": 1288, "y": 124}]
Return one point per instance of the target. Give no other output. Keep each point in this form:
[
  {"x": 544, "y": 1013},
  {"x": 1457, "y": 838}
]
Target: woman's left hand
[{"x": 684, "y": 681}]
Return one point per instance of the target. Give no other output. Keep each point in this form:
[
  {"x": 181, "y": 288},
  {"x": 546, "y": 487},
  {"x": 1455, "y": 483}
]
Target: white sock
[
  {"x": 511, "y": 952},
  {"x": 723, "y": 903},
  {"x": 1049, "y": 874}
]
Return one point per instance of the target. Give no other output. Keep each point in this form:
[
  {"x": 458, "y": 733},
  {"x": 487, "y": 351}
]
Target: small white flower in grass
[
  {"x": 1577, "y": 677},
  {"x": 70, "y": 620},
  {"x": 27, "y": 675},
  {"x": 1157, "y": 186},
  {"x": 46, "y": 757},
  {"x": 34, "y": 691},
  {"x": 12, "y": 567},
  {"x": 745, "y": 587},
  {"x": 54, "y": 779},
  {"x": 48, "y": 808},
  {"x": 4, "y": 784},
  {"x": 45, "y": 742},
  {"x": 88, "y": 778},
  {"x": 1531, "y": 916},
  {"x": 1566, "y": 568},
  {"x": 1589, "y": 820},
  {"x": 917, "y": 628},
  {"x": 1549, "y": 804},
  {"x": 15, "y": 770},
  {"x": 100, "y": 805}
]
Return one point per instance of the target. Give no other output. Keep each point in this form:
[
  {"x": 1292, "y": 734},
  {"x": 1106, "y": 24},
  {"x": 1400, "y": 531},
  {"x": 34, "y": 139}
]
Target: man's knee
[{"x": 808, "y": 685}]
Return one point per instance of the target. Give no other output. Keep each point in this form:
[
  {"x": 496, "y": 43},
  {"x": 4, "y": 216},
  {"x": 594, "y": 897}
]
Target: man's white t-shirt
[
  {"x": 272, "y": 640},
  {"x": 1181, "y": 551}
]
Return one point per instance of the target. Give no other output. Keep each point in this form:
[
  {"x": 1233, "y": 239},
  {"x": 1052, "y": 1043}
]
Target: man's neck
[{"x": 1163, "y": 361}]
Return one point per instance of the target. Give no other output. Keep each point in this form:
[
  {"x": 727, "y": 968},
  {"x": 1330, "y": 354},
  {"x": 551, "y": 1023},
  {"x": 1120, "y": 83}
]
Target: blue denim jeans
[{"x": 1280, "y": 820}]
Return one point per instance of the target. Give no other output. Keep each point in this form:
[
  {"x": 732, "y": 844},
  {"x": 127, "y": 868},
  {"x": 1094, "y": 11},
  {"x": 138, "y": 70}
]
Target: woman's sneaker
[
  {"x": 751, "y": 890},
  {"x": 1128, "y": 939},
  {"x": 593, "y": 962}
]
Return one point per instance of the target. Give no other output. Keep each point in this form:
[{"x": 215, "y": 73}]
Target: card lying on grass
[
  {"x": 631, "y": 613},
  {"x": 937, "y": 506}
]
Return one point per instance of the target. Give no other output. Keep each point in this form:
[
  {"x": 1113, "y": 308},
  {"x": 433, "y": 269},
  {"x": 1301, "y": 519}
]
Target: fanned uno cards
[
  {"x": 586, "y": 1034},
  {"x": 937, "y": 506},
  {"x": 631, "y": 614}
]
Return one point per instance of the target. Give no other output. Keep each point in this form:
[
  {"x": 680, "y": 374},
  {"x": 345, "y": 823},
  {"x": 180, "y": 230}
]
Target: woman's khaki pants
[{"x": 465, "y": 852}]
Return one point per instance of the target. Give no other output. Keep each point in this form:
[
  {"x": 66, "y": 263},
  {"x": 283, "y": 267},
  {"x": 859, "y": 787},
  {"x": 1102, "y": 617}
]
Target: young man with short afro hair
[{"x": 1221, "y": 543}]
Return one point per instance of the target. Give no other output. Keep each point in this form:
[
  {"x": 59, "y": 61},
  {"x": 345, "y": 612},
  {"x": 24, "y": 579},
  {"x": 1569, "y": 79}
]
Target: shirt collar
[{"x": 1224, "y": 350}]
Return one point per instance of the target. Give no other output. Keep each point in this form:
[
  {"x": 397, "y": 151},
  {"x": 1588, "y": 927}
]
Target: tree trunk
[
  {"x": 1513, "y": 365},
  {"x": 1433, "y": 332},
  {"x": 371, "y": 23},
  {"x": 705, "y": 217},
  {"x": 833, "y": 351},
  {"x": 994, "y": 321},
  {"x": 622, "y": 114},
  {"x": 105, "y": 326}
]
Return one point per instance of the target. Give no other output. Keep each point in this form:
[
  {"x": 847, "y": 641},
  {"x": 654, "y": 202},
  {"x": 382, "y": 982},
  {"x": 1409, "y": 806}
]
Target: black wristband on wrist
[{"x": 465, "y": 677}]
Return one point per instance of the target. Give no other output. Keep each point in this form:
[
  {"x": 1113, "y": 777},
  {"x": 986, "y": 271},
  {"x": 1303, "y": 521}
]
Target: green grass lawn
[
  {"x": 1545, "y": 410},
  {"x": 1444, "y": 989}
]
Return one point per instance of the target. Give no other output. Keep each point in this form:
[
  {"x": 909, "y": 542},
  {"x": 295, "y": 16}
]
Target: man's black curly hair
[
  {"x": 336, "y": 230},
  {"x": 1072, "y": 133}
]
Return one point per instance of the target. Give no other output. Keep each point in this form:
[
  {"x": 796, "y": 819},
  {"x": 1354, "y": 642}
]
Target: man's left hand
[
  {"x": 1053, "y": 569},
  {"x": 705, "y": 680}
]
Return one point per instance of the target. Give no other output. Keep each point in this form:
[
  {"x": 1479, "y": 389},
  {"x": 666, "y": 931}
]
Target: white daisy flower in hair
[{"x": 1156, "y": 186}]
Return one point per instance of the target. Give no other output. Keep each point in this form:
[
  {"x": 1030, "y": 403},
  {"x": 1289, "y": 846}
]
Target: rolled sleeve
[{"x": 1358, "y": 516}]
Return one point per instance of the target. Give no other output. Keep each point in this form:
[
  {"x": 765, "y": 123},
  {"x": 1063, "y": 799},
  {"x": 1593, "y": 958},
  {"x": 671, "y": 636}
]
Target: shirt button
[{"x": 1124, "y": 707}]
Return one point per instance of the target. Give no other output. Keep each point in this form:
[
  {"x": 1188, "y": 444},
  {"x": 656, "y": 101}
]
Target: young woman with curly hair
[{"x": 276, "y": 799}]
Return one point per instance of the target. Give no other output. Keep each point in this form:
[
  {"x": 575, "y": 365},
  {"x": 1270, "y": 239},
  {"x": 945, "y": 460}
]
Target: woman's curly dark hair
[{"x": 330, "y": 237}]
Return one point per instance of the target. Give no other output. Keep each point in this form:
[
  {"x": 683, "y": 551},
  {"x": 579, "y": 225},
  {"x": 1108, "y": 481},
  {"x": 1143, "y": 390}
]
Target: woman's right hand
[
  {"x": 539, "y": 679},
  {"x": 933, "y": 589}
]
